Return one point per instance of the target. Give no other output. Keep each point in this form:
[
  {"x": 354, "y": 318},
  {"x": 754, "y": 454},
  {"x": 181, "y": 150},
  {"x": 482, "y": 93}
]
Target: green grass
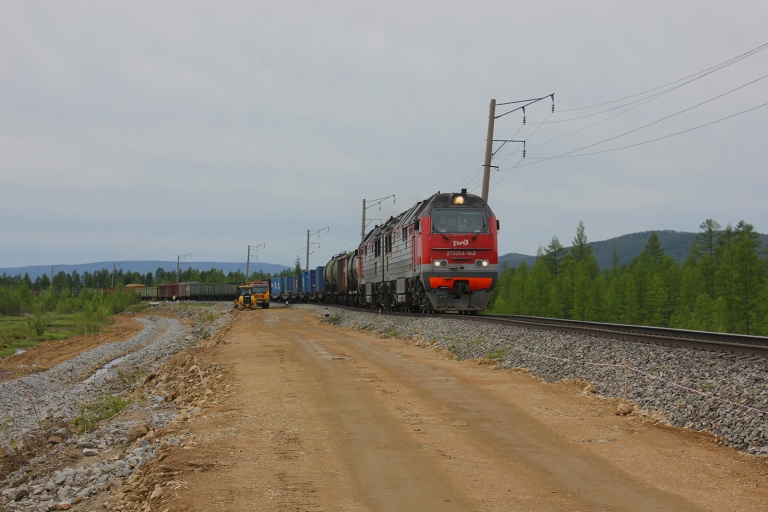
[
  {"x": 496, "y": 354},
  {"x": 17, "y": 332},
  {"x": 8, "y": 349},
  {"x": 103, "y": 409},
  {"x": 391, "y": 332}
]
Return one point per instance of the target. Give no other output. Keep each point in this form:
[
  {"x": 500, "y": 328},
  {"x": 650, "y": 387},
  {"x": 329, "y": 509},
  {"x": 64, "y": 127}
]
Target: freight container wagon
[
  {"x": 168, "y": 291},
  {"x": 276, "y": 288},
  {"x": 186, "y": 290},
  {"x": 147, "y": 293}
]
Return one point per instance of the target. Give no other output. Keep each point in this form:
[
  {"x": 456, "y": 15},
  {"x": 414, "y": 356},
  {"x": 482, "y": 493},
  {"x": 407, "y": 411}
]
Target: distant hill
[
  {"x": 142, "y": 267},
  {"x": 676, "y": 244}
]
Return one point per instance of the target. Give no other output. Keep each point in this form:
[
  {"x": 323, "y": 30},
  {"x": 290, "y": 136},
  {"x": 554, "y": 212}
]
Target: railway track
[
  {"x": 702, "y": 340},
  {"x": 722, "y": 342}
]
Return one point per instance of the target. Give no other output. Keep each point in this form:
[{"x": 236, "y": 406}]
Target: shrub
[
  {"x": 37, "y": 324},
  {"x": 105, "y": 408}
]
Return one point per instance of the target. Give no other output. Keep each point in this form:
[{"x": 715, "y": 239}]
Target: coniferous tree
[
  {"x": 630, "y": 305},
  {"x": 582, "y": 291},
  {"x": 76, "y": 282},
  {"x": 748, "y": 275},
  {"x": 502, "y": 295},
  {"x": 653, "y": 248},
  {"x": 704, "y": 249},
  {"x": 538, "y": 290},
  {"x": 600, "y": 303},
  {"x": 519, "y": 289},
  {"x": 553, "y": 256},
  {"x": 580, "y": 249}
]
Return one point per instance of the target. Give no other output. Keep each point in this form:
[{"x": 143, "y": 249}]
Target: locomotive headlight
[
  {"x": 481, "y": 263},
  {"x": 440, "y": 263},
  {"x": 458, "y": 199}
]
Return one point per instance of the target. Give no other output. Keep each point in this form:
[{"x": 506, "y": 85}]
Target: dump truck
[{"x": 252, "y": 295}]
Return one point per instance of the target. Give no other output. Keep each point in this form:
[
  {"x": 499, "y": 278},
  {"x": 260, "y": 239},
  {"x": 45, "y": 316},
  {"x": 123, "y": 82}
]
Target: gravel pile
[{"x": 725, "y": 394}]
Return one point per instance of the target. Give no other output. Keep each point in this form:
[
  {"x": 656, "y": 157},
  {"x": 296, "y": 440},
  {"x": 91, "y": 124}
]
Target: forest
[{"x": 720, "y": 286}]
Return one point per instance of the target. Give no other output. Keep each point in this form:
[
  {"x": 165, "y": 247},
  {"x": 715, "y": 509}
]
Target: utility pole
[
  {"x": 488, "y": 151},
  {"x": 113, "y": 272},
  {"x": 52, "y": 267},
  {"x": 362, "y": 230},
  {"x": 248, "y": 261},
  {"x": 489, "y": 141},
  {"x": 178, "y": 265},
  {"x": 309, "y": 233},
  {"x": 374, "y": 202}
]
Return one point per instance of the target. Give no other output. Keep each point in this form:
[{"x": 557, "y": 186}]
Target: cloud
[{"x": 142, "y": 130}]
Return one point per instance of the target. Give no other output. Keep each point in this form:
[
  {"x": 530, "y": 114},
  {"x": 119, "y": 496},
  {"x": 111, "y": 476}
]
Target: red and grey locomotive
[{"x": 441, "y": 255}]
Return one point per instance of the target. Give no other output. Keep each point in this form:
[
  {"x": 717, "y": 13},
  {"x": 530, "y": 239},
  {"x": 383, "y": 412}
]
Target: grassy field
[{"x": 18, "y": 333}]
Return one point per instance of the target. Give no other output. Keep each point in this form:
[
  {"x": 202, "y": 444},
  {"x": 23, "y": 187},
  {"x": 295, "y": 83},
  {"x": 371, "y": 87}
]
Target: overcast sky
[{"x": 149, "y": 130}]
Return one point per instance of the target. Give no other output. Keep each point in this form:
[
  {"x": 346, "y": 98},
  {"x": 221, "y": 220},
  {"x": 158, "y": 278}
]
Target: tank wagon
[{"x": 342, "y": 281}]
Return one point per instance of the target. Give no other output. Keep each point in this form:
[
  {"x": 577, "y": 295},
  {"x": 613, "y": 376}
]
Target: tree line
[
  {"x": 20, "y": 295},
  {"x": 105, "y": 279},
  {"x": 721, "y": 285}
]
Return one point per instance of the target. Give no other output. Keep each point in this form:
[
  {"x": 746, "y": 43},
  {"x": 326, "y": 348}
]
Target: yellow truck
[{"x": 252, "y": 295}]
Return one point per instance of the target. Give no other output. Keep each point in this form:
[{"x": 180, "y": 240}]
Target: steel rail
[
  {"x": 703, "y": 340},
  {"x": 724, "y": 342}
]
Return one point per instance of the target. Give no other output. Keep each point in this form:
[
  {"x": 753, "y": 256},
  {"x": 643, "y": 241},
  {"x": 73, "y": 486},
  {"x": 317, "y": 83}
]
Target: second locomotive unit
[{"x": 441, "y": 255}]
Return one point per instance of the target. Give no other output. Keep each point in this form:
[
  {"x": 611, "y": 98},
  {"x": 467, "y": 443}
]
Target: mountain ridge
[
  {"x": 142, "y": 267},
  {"x": 676, "y": 244}
]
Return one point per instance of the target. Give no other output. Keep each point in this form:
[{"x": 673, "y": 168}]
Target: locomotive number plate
[{"x": 462, "y": 253}]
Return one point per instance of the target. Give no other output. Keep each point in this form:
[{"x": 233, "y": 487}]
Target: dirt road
[{"x": 318, "y": 418}]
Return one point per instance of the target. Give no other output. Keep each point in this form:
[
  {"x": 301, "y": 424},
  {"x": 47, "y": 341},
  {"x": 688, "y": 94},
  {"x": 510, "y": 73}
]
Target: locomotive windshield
[{"x": 459, "y": 220}]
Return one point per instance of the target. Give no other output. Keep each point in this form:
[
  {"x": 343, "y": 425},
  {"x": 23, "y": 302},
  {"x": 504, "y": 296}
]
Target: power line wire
[
  {"x": 690, "y": 78},
  {"x": 566, "y": 155},
  {"x": 667, "y": 117},
  {"x": 631, "y": 106}
]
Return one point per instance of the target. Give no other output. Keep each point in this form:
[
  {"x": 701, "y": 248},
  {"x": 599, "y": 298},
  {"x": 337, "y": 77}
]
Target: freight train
[
  {"x": 440, "y": 255},
  {"x": 186, "y": 291}
]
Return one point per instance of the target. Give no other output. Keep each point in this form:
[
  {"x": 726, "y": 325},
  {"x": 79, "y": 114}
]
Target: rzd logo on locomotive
[{"x": 458, "y": 243}]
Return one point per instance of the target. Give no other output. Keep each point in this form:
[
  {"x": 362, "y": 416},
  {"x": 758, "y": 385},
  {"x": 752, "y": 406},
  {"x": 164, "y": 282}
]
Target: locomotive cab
[
  {"x": 459, "y": 257},
  {"x": 465, "y": 221},
  {"x": 441, "y": 255}
]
